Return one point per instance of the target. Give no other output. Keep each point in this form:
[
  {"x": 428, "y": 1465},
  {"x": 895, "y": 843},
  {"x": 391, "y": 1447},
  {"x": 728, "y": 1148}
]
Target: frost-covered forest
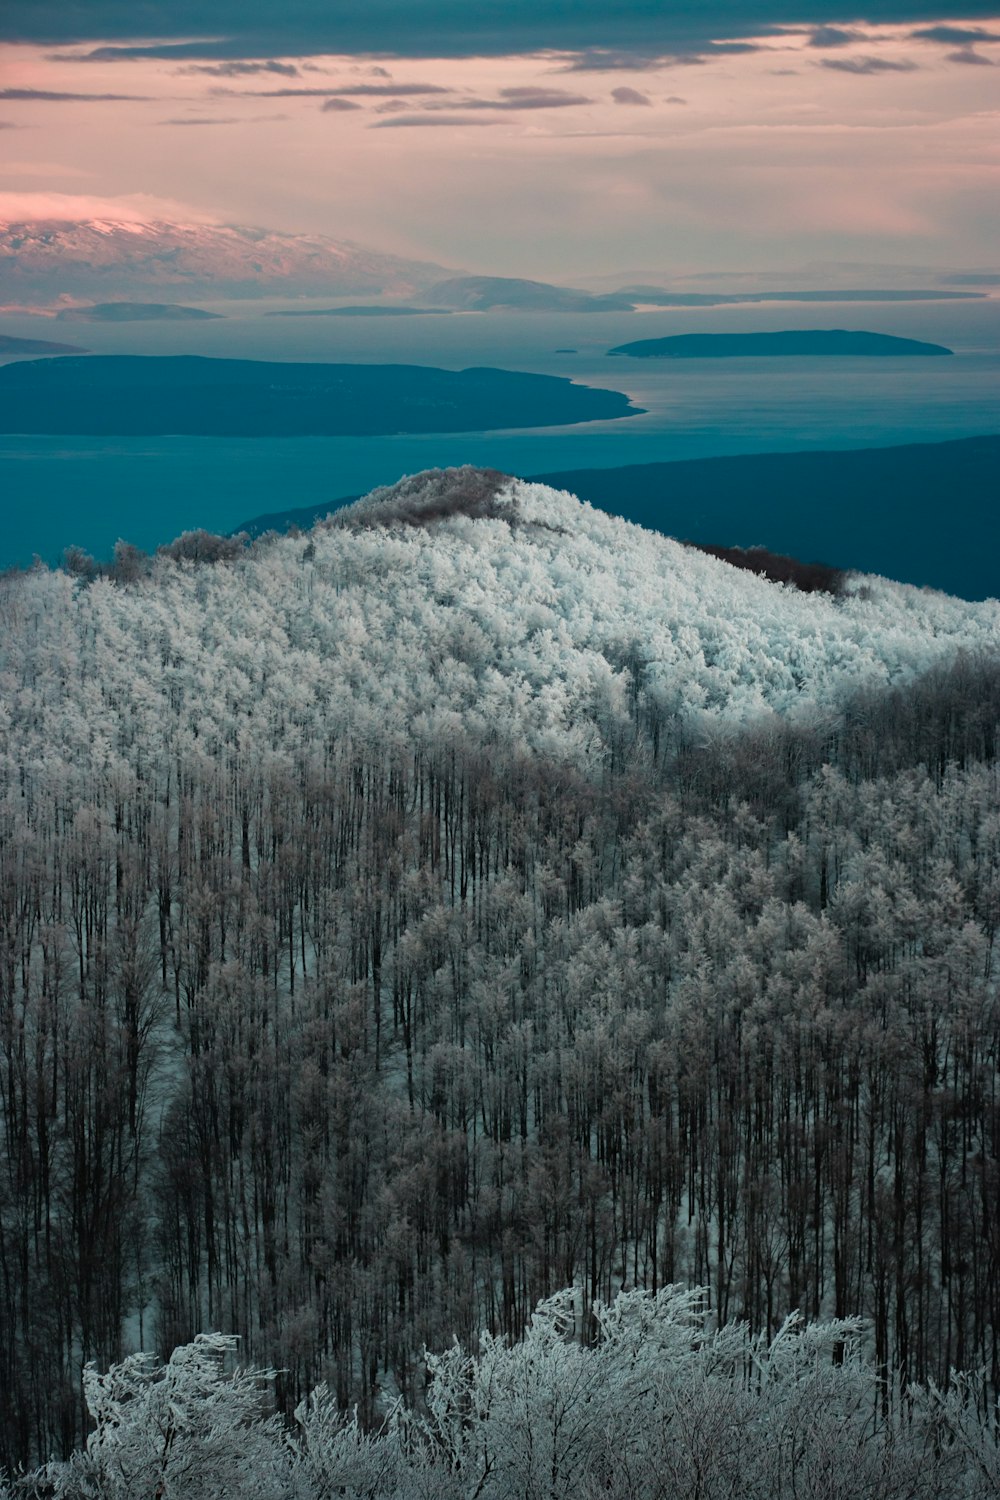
[
  {"x": 477, "y": 897},
  {"x": 659, "y": 1406}
]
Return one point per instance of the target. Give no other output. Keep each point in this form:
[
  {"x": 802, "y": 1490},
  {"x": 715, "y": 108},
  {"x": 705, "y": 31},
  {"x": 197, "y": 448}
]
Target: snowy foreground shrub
[{"x": 659, "y": 1406}]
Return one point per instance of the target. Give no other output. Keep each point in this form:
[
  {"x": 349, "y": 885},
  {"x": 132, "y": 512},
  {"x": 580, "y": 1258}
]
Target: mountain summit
[{"x": 89, "y": 257}]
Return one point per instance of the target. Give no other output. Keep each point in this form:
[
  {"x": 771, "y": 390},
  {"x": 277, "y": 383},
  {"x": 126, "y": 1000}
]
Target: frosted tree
[{"x": 185, "y": 1430}]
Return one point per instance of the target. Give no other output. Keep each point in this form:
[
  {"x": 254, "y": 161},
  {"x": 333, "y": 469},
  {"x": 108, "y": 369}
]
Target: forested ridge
[{"x": 479, "y": 897}]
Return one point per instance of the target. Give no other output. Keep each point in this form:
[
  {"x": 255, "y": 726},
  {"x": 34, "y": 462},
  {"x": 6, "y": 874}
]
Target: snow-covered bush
[
  {"x": 659, "y": 1406},
  {"x": 185, "y": 1430}
]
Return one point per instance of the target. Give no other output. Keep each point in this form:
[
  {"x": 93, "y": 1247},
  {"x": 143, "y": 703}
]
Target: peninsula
[
  {"x": 135, "y": 395},
  {"x": 11, "y": 345}
]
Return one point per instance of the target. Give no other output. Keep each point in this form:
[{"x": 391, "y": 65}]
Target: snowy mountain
[
  {"x": 49, "y": 258},
  {"x": 456, "y": 603}
]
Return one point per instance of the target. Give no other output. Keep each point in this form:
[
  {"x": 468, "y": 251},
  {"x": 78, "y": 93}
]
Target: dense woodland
[{"x": 383, "y": 952}]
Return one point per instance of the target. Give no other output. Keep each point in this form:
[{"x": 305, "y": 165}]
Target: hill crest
[{"x": 535, "y": 620}]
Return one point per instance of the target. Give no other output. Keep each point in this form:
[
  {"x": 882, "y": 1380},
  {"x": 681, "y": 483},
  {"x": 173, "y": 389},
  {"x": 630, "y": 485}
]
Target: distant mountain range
[
  {"x": 51, "y": 258},
  {"x": 515, "y": 294},
  {"x": 115, "y": 259}
]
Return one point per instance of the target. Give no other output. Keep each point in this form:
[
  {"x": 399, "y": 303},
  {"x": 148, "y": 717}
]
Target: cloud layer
[
  {"x": 814, "y": 136},
  {"x": 443, "y": 28}
]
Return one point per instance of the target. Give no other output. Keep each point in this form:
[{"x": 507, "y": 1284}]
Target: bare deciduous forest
[{"x": 356, "y": 1044}]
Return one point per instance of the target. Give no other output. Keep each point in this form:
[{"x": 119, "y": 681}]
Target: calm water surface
[{"x": 90, "y": 491}]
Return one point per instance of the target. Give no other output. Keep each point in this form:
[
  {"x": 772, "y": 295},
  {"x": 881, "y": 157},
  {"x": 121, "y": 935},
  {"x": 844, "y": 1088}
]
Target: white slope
[
  {"x": 532, "y": 623},
  {"x": 114, "y": 258}
]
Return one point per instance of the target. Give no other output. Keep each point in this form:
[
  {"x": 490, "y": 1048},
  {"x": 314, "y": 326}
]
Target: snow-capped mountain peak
[{"x": 51, "y": 257}]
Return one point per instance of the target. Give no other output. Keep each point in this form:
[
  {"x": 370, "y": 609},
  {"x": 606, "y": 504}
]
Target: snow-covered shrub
[
  {"x": 185, "y": 1430},
  {"x": 659, "y": 1406}
]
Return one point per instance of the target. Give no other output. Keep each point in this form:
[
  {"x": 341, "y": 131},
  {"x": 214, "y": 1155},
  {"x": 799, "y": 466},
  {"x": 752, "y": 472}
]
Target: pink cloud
[{"x": 132, "y": 208}]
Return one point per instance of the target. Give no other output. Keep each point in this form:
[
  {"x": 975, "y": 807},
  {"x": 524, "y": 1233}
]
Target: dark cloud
[
  {"x": 527, "y": 97},
  {"x": 336, "y": 106},
  {"x": 531, "y": 97},
  {"x": 242, "y": 69},
  {"x": 376, "y": 89},
  {"x": 407, "y": 120},
  {"x": 192, "y": 120},
  {"x": 289, "y": 93},
  {"x": 8, "y": 125},
  {"x": 834, "y": 36},
  {"x": 630, "y": 96},
  {"x": 163, "y": 51},
  {"x": 956, "y": 36},
  {"x": 868, "y": 65},
  {"x": 49, "y": 96},
  {"x": 367, "y": 90},
  {"x": 222, "y": 120},
  {"x": 674, "y": 99},
  {"x": 603, "y": 60},
  {"x": 970, "y": 55},
  {"x": 250, "y": 29}
]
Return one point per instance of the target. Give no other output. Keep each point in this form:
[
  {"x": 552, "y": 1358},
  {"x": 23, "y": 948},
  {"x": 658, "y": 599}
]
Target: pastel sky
[{"x": 547, "y": 140}]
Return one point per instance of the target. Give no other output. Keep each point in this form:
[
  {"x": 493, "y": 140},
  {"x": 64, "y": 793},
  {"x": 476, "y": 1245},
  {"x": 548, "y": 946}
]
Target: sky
[{"x": 561, "y": 139}]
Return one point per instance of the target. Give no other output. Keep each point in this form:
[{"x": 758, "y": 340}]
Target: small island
[
  {"x": 11, "y": 345},
  {"x": 516, "y": 294},
  {"x": 815, "y": 341},
  {"x": 134, "y": 312},
  {"x": 148, "y": 395}
]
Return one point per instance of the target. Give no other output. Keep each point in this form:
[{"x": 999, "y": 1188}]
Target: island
[
  {"x": 515, "y": 294},
  {"x": 148, "y": 395},
  {"x": 810, "y": 341},
  {"x": 134, "y": 312},
  {"x": 11, "y": 345},
  {"x": 655, "y": 296}
]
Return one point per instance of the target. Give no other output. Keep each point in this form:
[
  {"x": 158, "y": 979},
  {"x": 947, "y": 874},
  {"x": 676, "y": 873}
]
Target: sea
[{"x": 89, "y": 492}]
